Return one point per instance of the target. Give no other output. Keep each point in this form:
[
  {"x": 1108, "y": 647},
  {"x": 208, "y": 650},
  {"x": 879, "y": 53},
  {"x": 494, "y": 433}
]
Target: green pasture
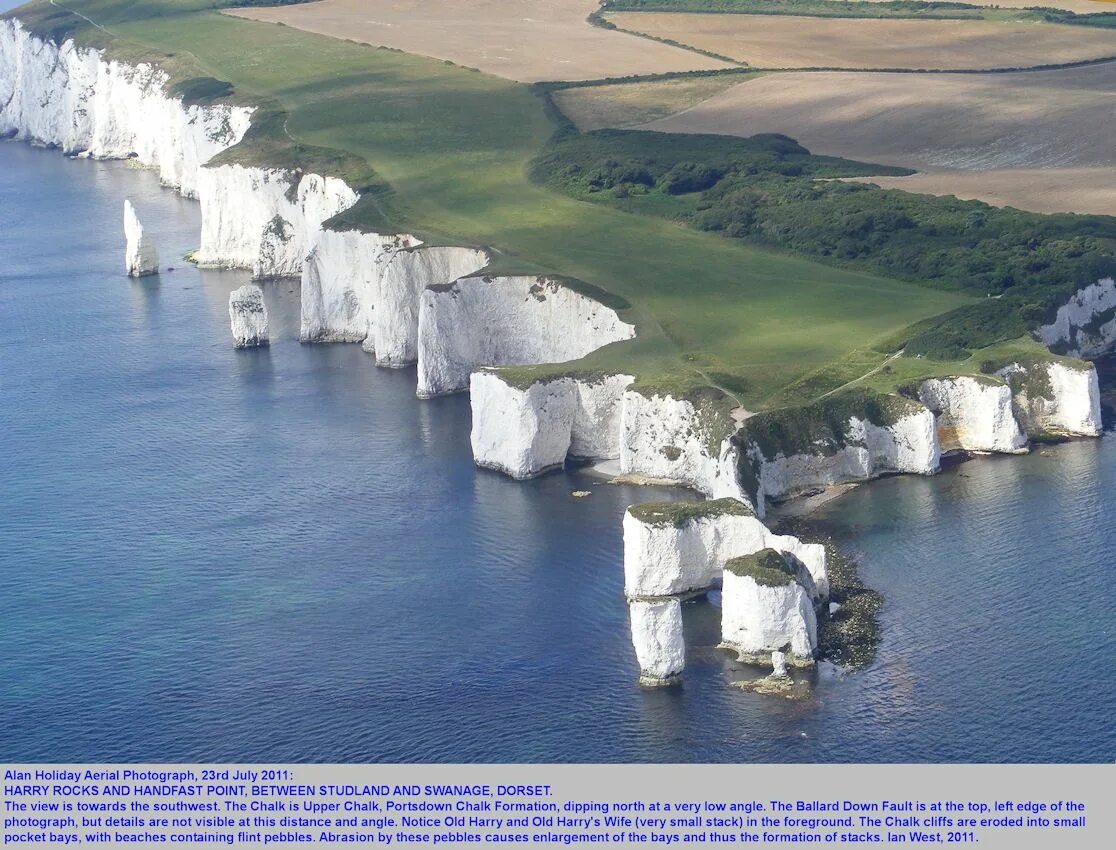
[{"x": 448, "y": 150}]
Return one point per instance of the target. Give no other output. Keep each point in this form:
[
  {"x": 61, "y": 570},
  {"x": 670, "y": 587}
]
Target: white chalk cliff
[
  {"x": 526, "y": 431},
  {"x": 659, "y": 643},
  {"x": 265, "y": 219},
  {"x": 973, "y": 414},
  {"x": 506, "y": 321},
  {"x": 1055, "y": 398},
  {"x": 861, "y": 451},
  {"x": 140, "y": 256},
  {"x": 765, "y": 608},
  {"x": 1085, "y": 326},
  {"x": 667, "y": 553},
  {"x": 74, "y": 99},
  {"x": 674, "y": 439},
  {"x": 366, "y": 287},
  {"x": 248, "y": 317}
]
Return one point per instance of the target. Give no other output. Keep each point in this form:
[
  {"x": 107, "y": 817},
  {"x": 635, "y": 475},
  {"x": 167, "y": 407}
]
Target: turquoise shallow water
[{"x": 282, "y": 555}]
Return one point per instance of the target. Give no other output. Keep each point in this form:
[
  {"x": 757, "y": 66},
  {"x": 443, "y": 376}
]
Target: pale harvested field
[
  {"x": 784, "y": 41},
  {"x": 628, "y": 104},
  {"x": 1047, "y": 190},
  {"x": 984, "y": 124},
  {"x": 1082, "y": 7},
  {"x": 525, "y": 40}
]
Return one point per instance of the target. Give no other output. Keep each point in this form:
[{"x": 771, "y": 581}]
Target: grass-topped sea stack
[{"x": 766, "y": 607}]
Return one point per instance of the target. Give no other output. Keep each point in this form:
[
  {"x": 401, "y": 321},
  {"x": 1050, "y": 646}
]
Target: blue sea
[{"x": 282, "y": 555}]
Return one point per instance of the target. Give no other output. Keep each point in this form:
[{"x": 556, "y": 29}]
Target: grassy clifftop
[{"x": 444, "y": 152}]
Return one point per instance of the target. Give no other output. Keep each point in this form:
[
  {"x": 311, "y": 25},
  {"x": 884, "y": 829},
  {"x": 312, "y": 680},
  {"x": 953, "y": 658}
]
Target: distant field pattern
[
  {"x": 629, "y": 104},
  {"x": 524, "y": 40},
  {"x": 987, "y": 134},
  {"x": 783, "y": 41}
]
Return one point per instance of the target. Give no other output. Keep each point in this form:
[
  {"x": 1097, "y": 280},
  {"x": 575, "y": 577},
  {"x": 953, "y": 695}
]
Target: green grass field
[{"x": 454, "y": 145}]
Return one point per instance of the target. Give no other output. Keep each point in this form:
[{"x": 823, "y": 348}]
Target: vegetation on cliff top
[
  {"x": 769, "y": 191},
  {"x": 766, "y": 567},
  {"x": 680, "y": 514},
  {"x": 823, "y": 426}
]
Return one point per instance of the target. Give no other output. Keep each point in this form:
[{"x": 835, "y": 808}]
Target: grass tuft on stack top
[
  {"x": 766, "y": 567},
  {"x": 680, "y": 514}
]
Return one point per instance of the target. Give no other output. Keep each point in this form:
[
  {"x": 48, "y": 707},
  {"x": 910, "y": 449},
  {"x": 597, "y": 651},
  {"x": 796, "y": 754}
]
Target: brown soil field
[
  {"x": 988, "y": 133},
  {"x": 784, "y": 41},
  {"x": 1046, "y": 190},
  {"x": 628, "y": 104},
  {"x": 525, "y": 40}
]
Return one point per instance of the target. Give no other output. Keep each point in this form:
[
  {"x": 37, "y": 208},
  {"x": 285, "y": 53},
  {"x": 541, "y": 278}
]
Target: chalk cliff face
[
  {"x": 72, "y": 98},
  {"x": 526, "y": 431},
  {"x": 1055, "y": 398},
  {"x": 406, "y": 275},
  {"x": 659, "y": 643},
  {"x": 508, "y": 321},
  {"x": 858, "y": 450},
  {"x": 973, "y": 414},
  {"x": 1085, "y": 326},
  {"x": 248, "y": 317},
  {"x": 764, "y": 609},
  {"x": 339, "y": 278},
  {"x": 265, "y": 219},
  {"x": 667, "y": 552},
  {"x": 676, "y": 439},
  {"x": 366, "y": 287},
  {"x": 140, "y": 256}
]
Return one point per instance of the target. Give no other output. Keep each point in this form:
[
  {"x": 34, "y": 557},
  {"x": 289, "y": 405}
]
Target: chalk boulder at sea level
[
  {"x": 248, "y": 316},
  {"x": 140, "y": 256}
]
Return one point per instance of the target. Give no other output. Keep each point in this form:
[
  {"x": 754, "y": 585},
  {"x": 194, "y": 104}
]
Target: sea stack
[
  {"x": 659, "y": 644},
  {"x": 765, "y": 608},
  {"x": 140, "y": 256},
  {"x": 248, "y": 316}
]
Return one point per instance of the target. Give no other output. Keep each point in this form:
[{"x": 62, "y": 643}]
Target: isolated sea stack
[
  {"x": 766, "y": 609},
  {"x": 140, "y": 256},
  {"x": 248, "y": 316},
  {"x": 659, "y": 643}
]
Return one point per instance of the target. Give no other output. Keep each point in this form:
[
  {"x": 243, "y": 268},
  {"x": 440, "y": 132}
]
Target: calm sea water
[{"x": 282, "y": 555}]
